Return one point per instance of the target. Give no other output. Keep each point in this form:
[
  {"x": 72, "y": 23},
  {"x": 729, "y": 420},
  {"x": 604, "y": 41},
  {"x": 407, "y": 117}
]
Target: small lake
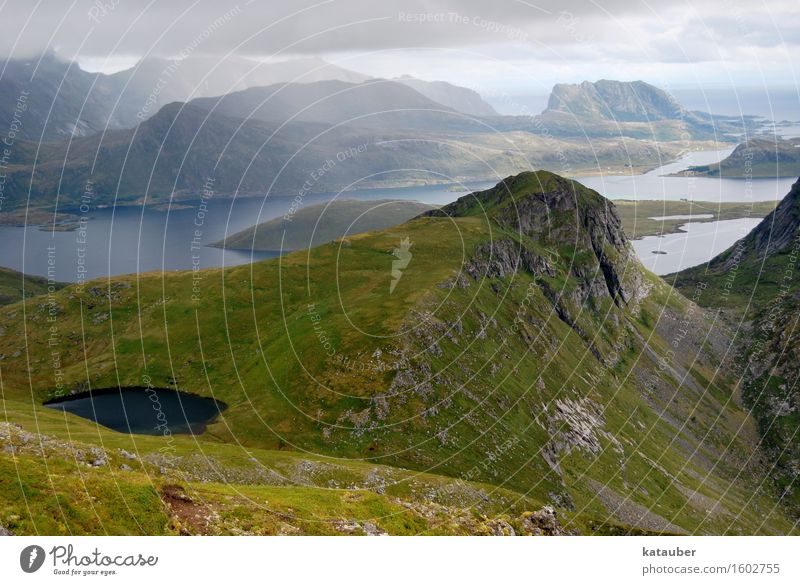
[
  {"x": 695, "y": 244},
  {"x": 143, "y": 411}
]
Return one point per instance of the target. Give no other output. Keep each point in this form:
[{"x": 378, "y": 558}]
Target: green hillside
[
  {"x": 505, "y": 353},
  {"x": 638, "y": 215},
  {"x": 12, "y": 286},
  {"x": 757, "y": 158},
  {"x": 320, "y": 224},
  {"x": 754, "y": 284}
]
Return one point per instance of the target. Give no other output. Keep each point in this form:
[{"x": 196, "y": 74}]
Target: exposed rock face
[
  {"x": 542, "y": 523},
  {"x": 626, "y": 101},
  {"x": 774, "y": 234},
  {"x": 557, "y": 213},
  {"x": 501, "y": 257}
]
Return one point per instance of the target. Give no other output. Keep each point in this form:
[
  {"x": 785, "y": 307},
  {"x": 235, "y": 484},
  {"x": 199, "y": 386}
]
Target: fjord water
[
  {"x": 128, "y": 240},
  {"x": 696, "y": 243},
  {"x": 656, "y": 185},
  {"x": 143, "y": 411}
]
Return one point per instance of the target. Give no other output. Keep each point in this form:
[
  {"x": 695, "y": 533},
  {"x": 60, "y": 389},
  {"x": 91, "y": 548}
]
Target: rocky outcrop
[
  {"x": 543, "y": 522},
  {"x": 776, "y": 232},
  {"x": 503, "y": 257},
  {"x": 558, "y": 214}
]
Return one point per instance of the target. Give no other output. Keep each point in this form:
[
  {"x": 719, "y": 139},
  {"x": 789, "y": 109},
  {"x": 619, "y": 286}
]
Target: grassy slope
[
  {"x": 759, "y": 293},
  {"x": 241, "y": 491},
  {"x": 11, "y": 286},
  {"x": 636, "y": 215},
  {"x": 252, "y": 341},
  {"x": 319, "y": 224}
]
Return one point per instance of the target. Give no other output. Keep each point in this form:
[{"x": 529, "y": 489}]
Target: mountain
[
  {"x": 153, "y": 82},
  {"x": 632, "y": 108},
  {"x": 58, "y": 100},
  {"x": 755, "y": 284},
  {"x": 376, "y": 103},
  {"x": 755, "y": 158},
  {"x": 507, "y": 348},
  {"x": 461, "y": 99},
  {"x": 312, "y": 226},
  {"x": 175, "y": 152},
  {"x": 61, "y": 100},
  {"x": 53, "y": 99},
  {"x": 624, "y": 101}
]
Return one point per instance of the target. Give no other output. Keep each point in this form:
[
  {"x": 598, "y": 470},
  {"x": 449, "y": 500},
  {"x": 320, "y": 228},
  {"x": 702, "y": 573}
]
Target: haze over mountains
[
  {"x": 113, "y": 135},
  {"x": 66, "y": 101}
]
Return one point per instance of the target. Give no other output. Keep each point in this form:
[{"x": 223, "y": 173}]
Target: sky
[{"x": 502, "y": 48}]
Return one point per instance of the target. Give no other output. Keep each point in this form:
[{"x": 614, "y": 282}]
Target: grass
[
  {"x": 320, "y": 224},
  {"x": 637, "y": 216},
  {"x": 12, "y": 286},
  {"x": 322, "y": 364}
]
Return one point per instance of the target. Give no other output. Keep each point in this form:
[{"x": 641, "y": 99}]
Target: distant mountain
[
  {"x": 461, "y": 99},
  {"x": 319, "y": 224},
  {"x": 623, "y": 101},
  {"x": 756, "y": 158},
  {"x": 63, "y": 101},
  {"x": 756, "y": 281},
  {"x": 59, "y": 100},
  {"x": 173, "y": 154},
  {"x": 154, "y": 82},
  {"x": 631, "y": 108},
  {"x": 376, "y": 103}
]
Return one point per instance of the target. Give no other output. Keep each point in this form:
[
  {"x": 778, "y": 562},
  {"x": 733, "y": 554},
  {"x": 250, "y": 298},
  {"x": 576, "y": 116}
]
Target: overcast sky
[{"x": 495, "y": 46}]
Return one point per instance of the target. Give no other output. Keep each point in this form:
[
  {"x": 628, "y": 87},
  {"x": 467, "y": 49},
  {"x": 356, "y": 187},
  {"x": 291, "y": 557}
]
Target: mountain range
[
  {"x": 65, "y": 101},
  {"x": 89, "y": 136},
  {"x": 508, "y": 347}
]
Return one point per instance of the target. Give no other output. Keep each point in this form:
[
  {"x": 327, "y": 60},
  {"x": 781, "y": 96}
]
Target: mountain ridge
[
  {"x": 753, "y": 284},
  {"x": 502, "y": 354}
]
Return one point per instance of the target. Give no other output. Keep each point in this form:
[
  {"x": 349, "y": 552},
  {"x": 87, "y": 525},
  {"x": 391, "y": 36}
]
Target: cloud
[
  {"x": 423, "y": 37},
  {"x": 130, "y": 27}
]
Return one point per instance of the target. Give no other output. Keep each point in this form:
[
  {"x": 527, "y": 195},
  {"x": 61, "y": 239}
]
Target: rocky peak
[{"x": 571, "y": 225}]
